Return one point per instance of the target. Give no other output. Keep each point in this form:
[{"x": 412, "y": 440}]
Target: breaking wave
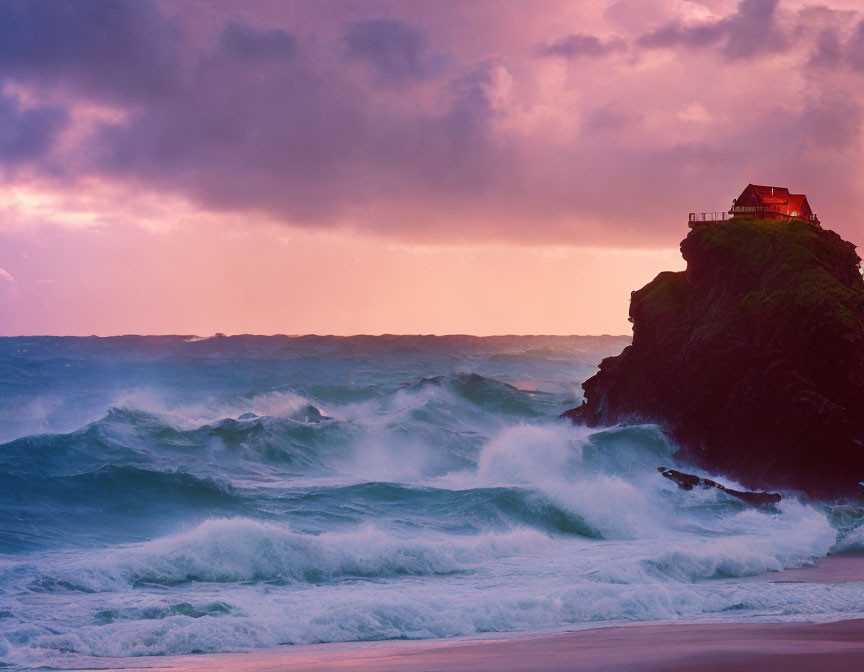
[{"x": 363, "y": 493}]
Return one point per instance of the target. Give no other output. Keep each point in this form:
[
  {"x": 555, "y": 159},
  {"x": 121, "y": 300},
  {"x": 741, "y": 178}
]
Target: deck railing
[
  {"x": 778, "y": 209},
  {"x": 704, "y": 217},
  {"x": 708, "y": 216},
  {"x": 740, "y": 209}
]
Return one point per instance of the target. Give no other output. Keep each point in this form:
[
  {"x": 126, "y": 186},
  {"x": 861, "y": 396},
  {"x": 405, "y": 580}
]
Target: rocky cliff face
[{"x": 752, "y": 358}]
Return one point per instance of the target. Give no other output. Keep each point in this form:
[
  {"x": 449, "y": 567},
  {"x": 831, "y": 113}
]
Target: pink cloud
[
  {"x": 156, "y": 171},
  {"x": 391, "y": 118}
]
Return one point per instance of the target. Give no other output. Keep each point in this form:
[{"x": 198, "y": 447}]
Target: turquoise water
[{"x": 174, "y": 495}]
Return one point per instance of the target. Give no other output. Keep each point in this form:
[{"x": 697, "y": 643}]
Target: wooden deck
[
  {"x": 767, "y": 212},
  {"x": 706, "y": 217}
]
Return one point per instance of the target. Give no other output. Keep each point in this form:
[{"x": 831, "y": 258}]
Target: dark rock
[
  {"x": 689, "y": 481},
  {"x": 752, "y": 359}
]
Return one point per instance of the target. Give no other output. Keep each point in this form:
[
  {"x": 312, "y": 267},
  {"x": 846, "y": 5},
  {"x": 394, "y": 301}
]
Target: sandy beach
[
  {"x": 832, "y": 647},
  {"x": 829, "y": 647}
]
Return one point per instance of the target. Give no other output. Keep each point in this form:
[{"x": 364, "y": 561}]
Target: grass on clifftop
[
  {"x": 791, "y": 263},
  {"x": 758, "y": 244},
  {"x": 782, "y": 271}
]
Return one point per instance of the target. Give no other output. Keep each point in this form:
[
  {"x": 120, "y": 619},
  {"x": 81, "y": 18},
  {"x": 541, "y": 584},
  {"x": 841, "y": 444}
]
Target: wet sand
[{"x": 703, "y": 647}]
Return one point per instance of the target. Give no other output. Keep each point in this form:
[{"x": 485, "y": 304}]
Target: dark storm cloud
[
  {"x": 108, "y": 48},
  {"x": 254, "y": 121},
  {"x": 828, "y": 50},
  {"x": 27, "y": 134},
  {"x": 395, "y": 50},
  {"x": 855, "y": 48},
  {"x": 838, "y": 45},
  {"x": 269, "y": 126},
  {"x": 581, "y": 45},
  {"x": 333, "y": 118},
  {"x": 752, "y": 30},
  {"x": 246, "y": 43}
]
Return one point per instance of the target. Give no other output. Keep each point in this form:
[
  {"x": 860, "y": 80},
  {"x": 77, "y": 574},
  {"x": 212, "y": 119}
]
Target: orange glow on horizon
[{"x": 268, "y": 281}]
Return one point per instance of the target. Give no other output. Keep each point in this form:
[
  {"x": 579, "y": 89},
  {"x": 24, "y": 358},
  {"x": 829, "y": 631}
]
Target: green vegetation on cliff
[
  {"x": 790, "y": 268},
  {"x": 752, "y": 358}
]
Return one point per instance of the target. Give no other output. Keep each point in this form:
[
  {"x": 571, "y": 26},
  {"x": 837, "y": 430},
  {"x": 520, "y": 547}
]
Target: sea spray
[
  {"x": 220, "y": 503},
  {"x": 238, "y": 549}
]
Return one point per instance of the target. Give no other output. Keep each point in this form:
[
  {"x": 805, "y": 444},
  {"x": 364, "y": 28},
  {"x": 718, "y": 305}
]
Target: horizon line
[{"x": 306, "y": 335}]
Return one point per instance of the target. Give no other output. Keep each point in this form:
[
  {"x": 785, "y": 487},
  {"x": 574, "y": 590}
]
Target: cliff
[{"x": 752, "y": 359}]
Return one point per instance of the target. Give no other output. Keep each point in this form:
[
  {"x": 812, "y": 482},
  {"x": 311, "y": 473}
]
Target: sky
[{"x": 380, "y": 166}]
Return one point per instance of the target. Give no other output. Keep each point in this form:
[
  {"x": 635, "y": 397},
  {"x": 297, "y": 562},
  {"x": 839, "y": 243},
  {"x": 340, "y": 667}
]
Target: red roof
[
  {"x": 795, "y": 202},
  {"x": 774, "y": 199},
  {"x": 777, "y": 195}
]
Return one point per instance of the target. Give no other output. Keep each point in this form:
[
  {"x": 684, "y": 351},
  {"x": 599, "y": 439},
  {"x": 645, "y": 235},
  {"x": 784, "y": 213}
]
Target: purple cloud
[
  {"x": 243, "y": 42},
  {"x": 581, "y": 45},
  {"x": 752, "y": 30},
  {"x": 417, "y": 127},
  {"x": 394, "y": 50},
  {"x": 855, "y": 48},
  {"x": 111, "y": 49},
  {"x": 27, "y": 134}
]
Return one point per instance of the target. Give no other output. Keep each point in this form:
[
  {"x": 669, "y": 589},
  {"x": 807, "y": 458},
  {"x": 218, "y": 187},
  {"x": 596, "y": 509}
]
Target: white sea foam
[
  {"x": 380, "y": 611},
  {"x": 278, "y": 404},
  {"x": 240, "y": 549},
  {"x": 460, "y": 519},
  {"x": 851, "y": 542}
]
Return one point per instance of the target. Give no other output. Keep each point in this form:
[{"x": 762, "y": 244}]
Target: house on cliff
[
  {"x": 762, "y": 202},
  {"x": 772, "y": 202}
]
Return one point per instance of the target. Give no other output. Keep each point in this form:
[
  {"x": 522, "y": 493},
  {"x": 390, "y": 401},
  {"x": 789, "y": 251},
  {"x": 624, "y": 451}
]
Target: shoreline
[
  {"x": 648, "y": 647},
  {"x": 843, "y": 568},
  {"x": 837, "y": 646}
]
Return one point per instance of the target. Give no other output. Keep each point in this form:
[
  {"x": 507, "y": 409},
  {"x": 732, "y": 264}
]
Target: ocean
[{"x": 171, "y": 495}]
